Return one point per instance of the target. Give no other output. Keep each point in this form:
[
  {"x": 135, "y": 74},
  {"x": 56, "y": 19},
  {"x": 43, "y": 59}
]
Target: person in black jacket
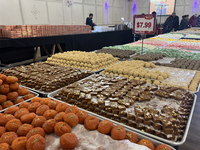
[
  {"x": 168, "y": 25},
  {"x": 175, "y": 21},
  {"x": 90, "y": 22},
  {"x": 184, "y": 23}
]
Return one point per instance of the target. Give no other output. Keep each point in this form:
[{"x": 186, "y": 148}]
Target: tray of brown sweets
[
  {"x": 45, "y": 78},
  {"x": 163, "y": 113}
]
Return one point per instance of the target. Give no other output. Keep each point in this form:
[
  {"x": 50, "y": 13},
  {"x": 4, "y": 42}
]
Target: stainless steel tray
[
  {"x": 140, "y": 136},
  {"x": 34, "y": 93},
  {"x": 172, "y": 143}
]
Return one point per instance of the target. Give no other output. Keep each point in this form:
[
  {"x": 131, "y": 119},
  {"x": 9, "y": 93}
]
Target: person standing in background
[
  {"x": 90, "y": 22},
  {"x": 184, "y": 23},
  {"x": 168, "y": 25},
  {"x": 175, "y": 21},
  {"x": 198, "y": 20},
  {"x": 193, "y": 21},
  {"x": 187, "y": 18}
]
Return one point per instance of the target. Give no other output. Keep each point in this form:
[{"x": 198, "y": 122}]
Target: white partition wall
[
  {"x": 182, "y": 7},
  {"x": 70, "y": 12}
]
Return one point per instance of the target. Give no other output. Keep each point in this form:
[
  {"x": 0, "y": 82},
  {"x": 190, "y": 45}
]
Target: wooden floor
[{"x": 193, "y": 138}]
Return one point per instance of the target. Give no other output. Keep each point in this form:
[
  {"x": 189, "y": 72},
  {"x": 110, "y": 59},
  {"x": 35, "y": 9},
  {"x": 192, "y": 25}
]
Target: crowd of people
[{"x": 172, "y": 22}]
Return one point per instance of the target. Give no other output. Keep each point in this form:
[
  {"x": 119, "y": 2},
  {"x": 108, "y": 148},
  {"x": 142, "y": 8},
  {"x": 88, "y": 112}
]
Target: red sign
[{"x": 144, "y": 24}]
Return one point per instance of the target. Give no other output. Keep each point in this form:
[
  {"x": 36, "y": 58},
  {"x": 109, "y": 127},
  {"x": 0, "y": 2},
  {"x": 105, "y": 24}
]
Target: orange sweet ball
[
  {"x": 12, "y": 95},
  {"x": 50, "y": 114},
  {"x": 45, "y": 101},
  {"x": 61, "y": 107},
  {"x": 1, "y": 82},
  {"x": 35, "y": 142},
  {"x": 59, "y": 117},
  {"x": 22, "y": 91},
  {"x": 4, "y": 89},
  {"x": 38, "y": 121},
  {"x": 163, "y": 147},
  {"x": 19, "y": 142},
  {"x": 35, "y": 99},
  {"x": 17, "y": 101},
  {"x": 41, "y": 109},
  {"x": 118, "y": 133},
  {"x": 132, "y": 137},
  {"x": 28, "y": 96},
  {"x": 72, "y": 109},
  {"x": 35, "y": 131},
  {"x": 3, "y": 98},
  {"x": 68, "y": 141},
  {"x": 105, "y": 127},
  {"x": 81, "y": 116},
  {"x": 146, "y": 143},
  {"x": 24, "y": 129},
  {"x": 3, "y": 77},
  {"x": 28, "y": 118},
  {"x": 33, "y": 106},
  {"x": 8, "y": 137},
  {"x": 2, "y": 130},
  {"x": 49, "y": 125},
  {"x": 24, "y": 105},
  {"x": 5, "y": 118},
  {"x": 13, "y": 125},
  {"x": 11, "y": 79},
  {"x": 14, "y": 86},
  {"x": 21, "y": 112},
  {"x": 4, "y": 146},
  {"x": 53, "y": 104},
  {"x": 71, "y": 119},
  {"x": 62, "y": 128},
  {"x": 91, "y": 123},
  {"x": 7, "y": 104},
  {"x": 11, "y": 110}
]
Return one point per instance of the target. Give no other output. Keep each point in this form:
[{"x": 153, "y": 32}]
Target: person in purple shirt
[
  {"x": 90, "y": 22},
  {"x": 193, "y": 21}
]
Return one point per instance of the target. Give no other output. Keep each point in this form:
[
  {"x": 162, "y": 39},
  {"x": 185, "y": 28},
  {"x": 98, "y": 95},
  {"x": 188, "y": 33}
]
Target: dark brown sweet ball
[
  {"x": 35, "y": 131},
  {"x": 33, "y": 106},
  {"x": 13, "y": 125},
  {"x": 35, "y": 142},
  {"x": 8, "y": 137},
  {"x": 49, "y": 125},
  {"x": 41, "y": 109},
  {"x": 24, "y": 129},
  {"x": 28, "y": 118},
  {"x": 38, "y": 121},
  {"x": 21, "y": 112}
]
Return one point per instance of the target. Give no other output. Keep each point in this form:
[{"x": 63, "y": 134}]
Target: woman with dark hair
[
  {"x": 184, "y": 23},
  {"x": 168, "y": 25}
]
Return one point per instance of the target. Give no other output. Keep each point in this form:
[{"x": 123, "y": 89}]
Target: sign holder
[{"x": 143, "y": 25}]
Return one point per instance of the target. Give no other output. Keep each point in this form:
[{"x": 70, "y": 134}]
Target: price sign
[{"x": 144, "y": 24}]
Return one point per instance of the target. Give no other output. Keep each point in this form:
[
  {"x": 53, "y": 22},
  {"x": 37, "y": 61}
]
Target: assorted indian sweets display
[
  {"x": 152, "y": 92},
  {"x": 162, "y": 111},
  {"x": 83, "y": 60},
  {"x": 33, "y": 125}
]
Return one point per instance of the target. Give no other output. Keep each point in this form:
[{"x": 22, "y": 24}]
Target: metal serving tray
[
  {"x": 140, "y": 136},
  {"x": 34, "y": 93},
  {"x": 172, "y": 143}
]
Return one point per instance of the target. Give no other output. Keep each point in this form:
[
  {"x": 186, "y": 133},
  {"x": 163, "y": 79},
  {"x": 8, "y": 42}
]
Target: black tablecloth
[{"x": 84, "y": 42}]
